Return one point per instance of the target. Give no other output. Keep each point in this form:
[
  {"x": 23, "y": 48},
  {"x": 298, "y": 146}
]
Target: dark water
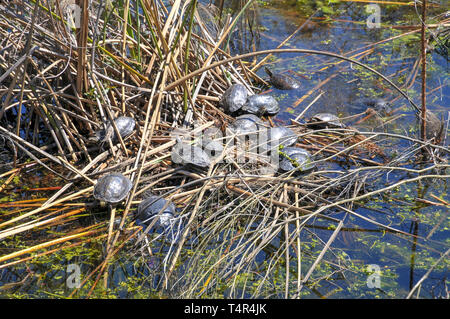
[{"x": 402, "y": 260}]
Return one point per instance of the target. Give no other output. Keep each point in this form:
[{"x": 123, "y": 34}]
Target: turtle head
[{"x": 383, "y": 106}]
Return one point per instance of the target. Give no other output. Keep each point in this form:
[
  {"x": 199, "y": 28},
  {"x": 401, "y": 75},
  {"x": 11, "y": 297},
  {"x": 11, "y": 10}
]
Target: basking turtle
[
  {"x": 125, "y": 125},
  {"x": 379, "y": 105},
  {"x": 153, "y": 206},
  {"x": 261, "y": 105},
  {"x": 245, "y": 131},
  {"x": 184, "y": 153},
  {"x": 112, "y": 188},
  {"x": 278, "y": 136},
  {"x": 282, "y": 81},
  {"x": 325, "y": 120},
  {"x": 212, "y": 142},
  {"x": 295, "y": 158},
  {"x": 234, "y": 98},
  {"x": 247, "y": 123},
  {"x": 434, "y": 127}
]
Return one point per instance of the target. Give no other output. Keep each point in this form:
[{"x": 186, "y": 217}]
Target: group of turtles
[
  {"x": 236, "y": 97},
  {"x": 247, "y": 110},
  {"x": 114, "y": 187},
  {"x": 236, "y": 100}
]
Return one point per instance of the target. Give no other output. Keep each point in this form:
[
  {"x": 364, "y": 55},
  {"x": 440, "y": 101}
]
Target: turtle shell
[
  {"x": 295, "y": 158},
  {"x": 278, "y": 136},
  {"x": 245, "y": 131},
  {"x": 184, "y": 153},
  {"x": 125, "y": 125},
  {"x": 112, "y": 188},
  {"x": 247, "y": 123},
  {"x": 434, "y": 126},
  {"x": 261, "y": 105},
  {"x": 234, "y": 98},
  {"x": 152, "y": 206},
  {"x": 324, "y": 120},
  {"x": 282, "y": 81}
]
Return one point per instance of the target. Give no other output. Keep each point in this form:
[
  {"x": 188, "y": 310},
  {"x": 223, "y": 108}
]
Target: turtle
[
  {"x": 156, "y": 206},
  {"x": 278, "y": 136},
  {"x": 125, "y": 125},
  {"x": 244, "y": 132},
  {"x": 184, "y": 153},
  {"x": 246, "y": 123},
  {"x": 325, "y": 120},
  {"x": 434, "y": 126},
  {"x": 112, "y": 188},
  {"x": 234, "y": 98},
  {"x": 282, "y": 81},
  {"x": 379, "y": 105},
  {"x": 295, "y": 158},
  {"x": 211, "y": 141},
  {"x": 261, "y": 104}
]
